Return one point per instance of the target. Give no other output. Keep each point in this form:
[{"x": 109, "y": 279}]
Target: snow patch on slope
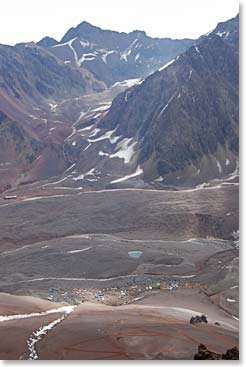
[
  {"x": 107, "y": 135},
  {"x": 104, "y": 57},
  {"x": 128, "y": 51},
  {"x": 138, "y": 172},
  {"x": 91, "y": 172},
  {"x": 219, "y": 166},
  {"x": 127, "y": 83},
  {"x": 125, "y": 150}
]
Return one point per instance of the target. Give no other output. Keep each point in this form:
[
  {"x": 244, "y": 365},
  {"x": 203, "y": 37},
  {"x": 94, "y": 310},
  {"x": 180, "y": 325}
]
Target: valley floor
[
  {"x": 117, "y": 274},
  {"x": 149, "y": 329}
]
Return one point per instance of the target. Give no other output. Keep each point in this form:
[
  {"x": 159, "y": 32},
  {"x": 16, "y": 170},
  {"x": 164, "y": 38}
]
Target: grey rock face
[{"x": 186, "y": 115}]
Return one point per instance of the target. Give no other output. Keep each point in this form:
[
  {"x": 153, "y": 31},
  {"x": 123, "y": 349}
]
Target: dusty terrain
[
  {"x": 150, "y": 329},
  {"x": 146, "y": 260}
]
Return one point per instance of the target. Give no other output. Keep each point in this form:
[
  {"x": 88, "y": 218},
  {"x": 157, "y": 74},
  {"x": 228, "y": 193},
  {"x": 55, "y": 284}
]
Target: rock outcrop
[{"x": 204, "y": 353}]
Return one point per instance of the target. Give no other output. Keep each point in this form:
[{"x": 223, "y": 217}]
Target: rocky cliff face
[
  {"x": 112, "y": 56},
  {"x": 30, "y": 72}
]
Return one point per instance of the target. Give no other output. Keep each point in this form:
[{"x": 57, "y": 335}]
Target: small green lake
[{"x": 135, "y": 254}]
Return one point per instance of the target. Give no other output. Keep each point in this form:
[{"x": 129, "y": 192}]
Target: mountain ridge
[{"x": 114, "y": 56}]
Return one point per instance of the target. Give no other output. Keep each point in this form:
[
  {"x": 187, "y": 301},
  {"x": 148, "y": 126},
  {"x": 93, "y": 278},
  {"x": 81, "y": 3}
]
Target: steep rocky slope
[
  {"x": 180, "y": 125},
  {"x": 30, "y": 75},
  {"x": 32, "y": 83}
]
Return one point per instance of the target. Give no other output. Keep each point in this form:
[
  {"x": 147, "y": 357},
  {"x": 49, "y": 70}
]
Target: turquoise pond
[{"x": 135, "y": 254}]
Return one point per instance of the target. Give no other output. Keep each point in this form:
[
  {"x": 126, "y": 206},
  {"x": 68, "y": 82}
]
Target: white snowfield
[
  {"x": 107, "y": 135},
  {"x": 125, "y": 150}
]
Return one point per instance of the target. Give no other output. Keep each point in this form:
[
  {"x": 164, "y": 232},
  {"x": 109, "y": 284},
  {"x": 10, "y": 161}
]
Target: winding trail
[
  {"x": 181, "y": 191},
  {"x": 96, "y": 279},
  {"x": 99, "y": 236}
]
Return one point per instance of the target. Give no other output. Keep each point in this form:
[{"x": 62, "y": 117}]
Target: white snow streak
[
  {"x": 166, "y": 65},
  {"x": 165, "y": 107},
  {"x": 86, "y": 57},
  {"x": 138, "y": 172},
  {"x": 107, "y": 135},
  {"x": 159, "y": 179},
  {"x": 75, "y": 251},
  {"x": 219, "y": 166},
  {"x": 104, "y": 57},
  {"x": 198, "y": 51},
  {"x": 42, "y": 331},
  {"x": 83, "y": 175},
  {"x": 128, "y": 51},
  {"x": 102, "y": 154},
  {"x": 87, "y": 147},
  {"x": 221, "y": 34},
  {"x": 36, "y": 314},
  {"x": 127, "y": 83}
]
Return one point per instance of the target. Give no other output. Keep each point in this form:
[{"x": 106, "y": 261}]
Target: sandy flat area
[
  {"x": 132, "y": 332},
  {"x": 12, "y": 305},
  {"x": 156, "y": 327}
]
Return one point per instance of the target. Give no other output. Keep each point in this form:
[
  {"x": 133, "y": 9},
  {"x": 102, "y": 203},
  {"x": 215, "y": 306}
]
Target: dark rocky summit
[
  {"x": 47, "y": 42},
  {"x": 198, "y": 319}
]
